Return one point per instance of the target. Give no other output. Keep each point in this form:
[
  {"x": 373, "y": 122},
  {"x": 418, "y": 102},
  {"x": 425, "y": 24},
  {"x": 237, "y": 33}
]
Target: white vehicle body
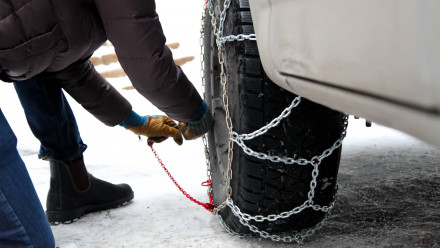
[{"x": 379, "y": 60}]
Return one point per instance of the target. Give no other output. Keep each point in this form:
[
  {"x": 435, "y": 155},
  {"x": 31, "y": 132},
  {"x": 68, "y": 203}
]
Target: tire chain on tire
[{"x": 239, "y": 139}]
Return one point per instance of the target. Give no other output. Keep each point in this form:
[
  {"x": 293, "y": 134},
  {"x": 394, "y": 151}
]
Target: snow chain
[{"x": 240, "y": 138}]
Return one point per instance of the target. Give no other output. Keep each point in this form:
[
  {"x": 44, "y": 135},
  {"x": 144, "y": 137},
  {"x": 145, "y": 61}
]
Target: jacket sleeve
[
  {"x": 81, "y": 81},
  {"x": 135, "y": 30}
]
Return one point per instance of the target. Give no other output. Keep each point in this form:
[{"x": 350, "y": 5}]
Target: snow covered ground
[{"x": 389, "y": 182}]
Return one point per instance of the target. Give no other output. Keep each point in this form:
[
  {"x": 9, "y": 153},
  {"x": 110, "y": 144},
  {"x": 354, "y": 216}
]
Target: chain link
[
  {"x": 272, "y": 124},
  {"x": 297, "y": 237},
  {"x": 316, "y": 160},
  {"x": 229, "y": 230},
  {"x": 240, "y": 138},
  {"x": 226, "y": 5},
  {"x": 225, "y": 98},
  {"x": 240, "y": 37},
  {"x": 202, "y": 75}
]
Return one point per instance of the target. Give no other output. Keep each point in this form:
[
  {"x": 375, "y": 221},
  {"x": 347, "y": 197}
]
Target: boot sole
[{"x": 72, "y": 215}]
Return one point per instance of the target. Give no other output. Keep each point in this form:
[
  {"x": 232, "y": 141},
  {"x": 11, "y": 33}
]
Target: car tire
[{"x": 262, "y": 187}]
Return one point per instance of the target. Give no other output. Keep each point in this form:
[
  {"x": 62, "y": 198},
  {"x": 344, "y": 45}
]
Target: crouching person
[{"x": 44, "y": 57}]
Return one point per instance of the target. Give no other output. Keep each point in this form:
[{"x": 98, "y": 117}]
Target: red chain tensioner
[{"x": 208, "y": 206}]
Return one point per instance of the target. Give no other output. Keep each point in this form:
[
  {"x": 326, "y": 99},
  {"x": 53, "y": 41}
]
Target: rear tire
[{"x": 261, "y": 187}]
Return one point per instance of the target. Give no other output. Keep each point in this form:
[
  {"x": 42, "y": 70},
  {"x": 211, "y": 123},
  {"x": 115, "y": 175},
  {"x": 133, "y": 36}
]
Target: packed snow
[{"x": 389, "y": 181}]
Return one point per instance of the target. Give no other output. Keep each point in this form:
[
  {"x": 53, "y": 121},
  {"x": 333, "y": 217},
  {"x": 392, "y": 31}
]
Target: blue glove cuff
[
  {"x": 202, "y": 112},
  {"x": 134, "y": 120},
  {"x": 202, "y": 125}
]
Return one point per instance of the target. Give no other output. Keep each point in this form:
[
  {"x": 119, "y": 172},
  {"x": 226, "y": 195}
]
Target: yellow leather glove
[
  {"x": 183, "y": 127},
  {"x": 158, "y": 129}
]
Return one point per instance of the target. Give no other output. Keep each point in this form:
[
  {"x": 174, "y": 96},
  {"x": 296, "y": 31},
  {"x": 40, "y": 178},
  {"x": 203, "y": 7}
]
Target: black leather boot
[{"x": 74, "y": 192}]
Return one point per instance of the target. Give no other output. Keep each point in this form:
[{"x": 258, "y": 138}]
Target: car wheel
[{"x": 262, "y": 187}]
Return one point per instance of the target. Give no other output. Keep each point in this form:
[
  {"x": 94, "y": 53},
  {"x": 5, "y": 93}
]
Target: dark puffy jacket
[{"x": 52, "y": 40}]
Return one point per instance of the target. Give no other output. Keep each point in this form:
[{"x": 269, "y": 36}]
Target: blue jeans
[
  {"x": 51, "y": 119},
  {"x": 22, "y": 219}
]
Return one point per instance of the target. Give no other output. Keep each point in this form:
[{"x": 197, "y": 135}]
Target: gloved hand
[
  {"x": 158, "y": 129},
  {"x": 197, "y": 128}
]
